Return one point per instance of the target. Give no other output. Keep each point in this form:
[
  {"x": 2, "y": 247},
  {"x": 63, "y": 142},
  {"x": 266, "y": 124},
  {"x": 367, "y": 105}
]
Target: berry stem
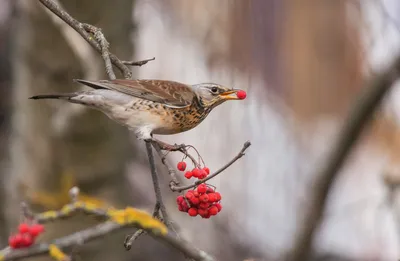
[{"x": 246, "y": 145}]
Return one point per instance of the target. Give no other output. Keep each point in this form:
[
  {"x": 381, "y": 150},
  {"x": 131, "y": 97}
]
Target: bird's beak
[{"x": 231, "y": 95}]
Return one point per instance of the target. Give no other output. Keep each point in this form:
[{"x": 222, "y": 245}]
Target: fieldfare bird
[{"x": 151, "y": 106}]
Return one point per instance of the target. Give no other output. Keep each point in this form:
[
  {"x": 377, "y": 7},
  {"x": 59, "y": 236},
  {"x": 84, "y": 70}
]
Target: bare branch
[
  {"x": 104, "y": 45},
  {"x": 81, "y": 48},
  {"x": 156, "y": 184},
  {"x": 77, "y": 26},
  {"x": 358, "y": 118},
  {"x": 246, "y": 145},
  {"x": 171, "y": 170}
]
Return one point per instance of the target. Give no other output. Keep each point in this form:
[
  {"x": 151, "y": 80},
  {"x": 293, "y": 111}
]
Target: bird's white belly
[{"x": 142, "y": 122}]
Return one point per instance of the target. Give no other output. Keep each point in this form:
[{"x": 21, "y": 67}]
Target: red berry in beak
[{"x": 241, "y": 95}]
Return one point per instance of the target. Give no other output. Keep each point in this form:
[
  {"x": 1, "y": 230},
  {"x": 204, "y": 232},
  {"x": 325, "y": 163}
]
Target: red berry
[
  {"x": 213, "y": 211},
  {"x": 212, "y": 197},
  {"x": 210, "y": 190},
  {"x": 180, "y": 208},
  {"x": 202, "y": 212},
  {"x": 207, "y": 170},
  {"x": 23, "y": 228},
  {"x": 192, "y": 212},
  {"x": 196, "y": 194},
  {"x": 241, "y": 94},
  {"x": 26, "y": 240},
  {"x": 194, "y": 201},
  {"x": 189, "y": 195},
  {"x": 12, "y": 242},
  {"x": 36, "y": 229},
  {"x": 219, "y": 206},
  {"x": 188, "y": 174},
  {"x": 204, "y": 198},
  {"x": 181, "y": 165},
  {"x": 202, "y": 188},
  {"x": 202, "y": 174},
  {"x": 207, "y": 216},
  {"x": 184, "y": 206},
  {"x": 218, "y": 196},
  {"x": 196, "y": 172},
  {"x": 204, "y": 205},
  {"x": 179, "y": 199},
  {"x": 18, "y": 240}
]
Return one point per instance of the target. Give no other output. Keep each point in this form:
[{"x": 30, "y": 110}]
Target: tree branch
[
  {"x": 156, "y": 184},
  {"x": 104, "y": 45},
  {"x": 119, "y": 219},
  {"x": 358, "y": 118},
  {"x": 97, "y": 232},
  {"x": 101, "y": 48},
  {"x": 171, "y": 170}
]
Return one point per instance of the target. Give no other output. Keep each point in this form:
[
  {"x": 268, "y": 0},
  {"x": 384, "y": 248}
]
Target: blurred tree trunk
[
  {"x": 4, "y": 116},
  {"x": 321, "y": 51},
  {"x": 90, "y": 148}
]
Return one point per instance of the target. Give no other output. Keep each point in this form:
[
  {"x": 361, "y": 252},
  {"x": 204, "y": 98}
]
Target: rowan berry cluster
[
  {"x": 199, "y": 173},
  {"x": 26, "y": 235},
  {"x": 203, "y": 201}
]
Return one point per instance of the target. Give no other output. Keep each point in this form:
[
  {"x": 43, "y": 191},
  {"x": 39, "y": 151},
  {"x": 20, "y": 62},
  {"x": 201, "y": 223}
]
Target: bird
[{"x": 148, "y": 107}]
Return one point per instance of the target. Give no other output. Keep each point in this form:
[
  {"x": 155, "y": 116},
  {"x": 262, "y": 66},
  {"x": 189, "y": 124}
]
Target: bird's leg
[{"x": 168, "y": 147}]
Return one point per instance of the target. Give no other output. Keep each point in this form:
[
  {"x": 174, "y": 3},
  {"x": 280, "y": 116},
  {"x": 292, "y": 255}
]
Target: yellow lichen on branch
[
  {"x": 57, "y": 254},
  {"x": 137, "y": 217}
]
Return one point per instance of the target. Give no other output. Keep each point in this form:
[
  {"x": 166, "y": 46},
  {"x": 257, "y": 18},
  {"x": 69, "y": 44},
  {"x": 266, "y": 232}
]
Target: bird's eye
[{"x": 214, "y": 89}]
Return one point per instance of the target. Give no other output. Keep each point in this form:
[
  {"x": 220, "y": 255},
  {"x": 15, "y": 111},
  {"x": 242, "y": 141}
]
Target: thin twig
[
  {"x": 131, "y": 238},
  {"x": 171, "y": 170},
  {"x": 138, "y": 63},
  {"x": 176, "y": 147},
  {"x": 358, "y": 118},
  {"x": 104, "y": 45},
  {"x": 246, "y": 145},
  {"x": 156, "y": 183},
  {"x": 77, "y": 26}
]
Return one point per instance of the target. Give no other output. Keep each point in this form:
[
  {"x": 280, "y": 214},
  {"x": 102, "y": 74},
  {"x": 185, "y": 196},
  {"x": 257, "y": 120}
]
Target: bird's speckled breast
[{"x": 172, "y": 120}]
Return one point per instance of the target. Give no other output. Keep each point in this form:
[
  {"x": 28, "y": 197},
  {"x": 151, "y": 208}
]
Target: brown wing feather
[{"x": 166, "y": 92}]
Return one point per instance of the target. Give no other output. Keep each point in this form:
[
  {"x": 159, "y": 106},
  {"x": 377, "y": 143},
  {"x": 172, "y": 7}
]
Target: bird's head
[{"x": 211, "y": 94}]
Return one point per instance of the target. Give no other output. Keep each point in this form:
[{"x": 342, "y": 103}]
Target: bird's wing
[{"x": 165, "y": 92}]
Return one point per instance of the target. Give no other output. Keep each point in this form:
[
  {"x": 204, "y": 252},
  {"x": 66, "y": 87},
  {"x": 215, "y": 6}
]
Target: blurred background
[{"x": 302, "y": 63}]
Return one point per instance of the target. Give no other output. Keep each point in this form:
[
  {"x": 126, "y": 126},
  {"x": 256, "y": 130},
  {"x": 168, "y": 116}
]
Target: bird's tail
[{"x": 64, "y": 96}]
